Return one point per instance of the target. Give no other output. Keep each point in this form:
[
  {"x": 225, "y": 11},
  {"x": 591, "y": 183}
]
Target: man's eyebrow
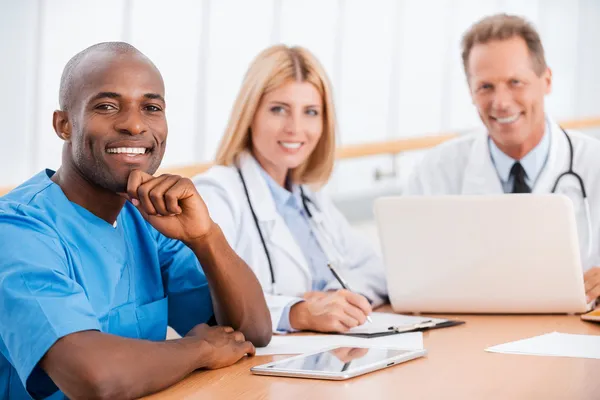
[
  {"x": 101, "y": 95},
  {"x": 154, "y": 96},
  {"x": 114, "y": 95}
]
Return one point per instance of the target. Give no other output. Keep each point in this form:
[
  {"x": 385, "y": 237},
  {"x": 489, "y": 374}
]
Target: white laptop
[{"x": 481, "y": 254}]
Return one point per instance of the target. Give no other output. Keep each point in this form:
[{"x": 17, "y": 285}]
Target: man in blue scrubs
[{"x": 100, "y": 256}]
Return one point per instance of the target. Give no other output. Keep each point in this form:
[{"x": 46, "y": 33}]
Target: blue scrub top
[{"x": 64, "y": 270}]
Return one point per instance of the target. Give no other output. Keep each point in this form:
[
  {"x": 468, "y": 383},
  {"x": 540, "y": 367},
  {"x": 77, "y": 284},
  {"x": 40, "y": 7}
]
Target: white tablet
[{"x": 337, "y": 363}]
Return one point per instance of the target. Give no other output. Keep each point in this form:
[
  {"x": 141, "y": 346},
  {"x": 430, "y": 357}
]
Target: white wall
[{"x": 395, "y": 66}]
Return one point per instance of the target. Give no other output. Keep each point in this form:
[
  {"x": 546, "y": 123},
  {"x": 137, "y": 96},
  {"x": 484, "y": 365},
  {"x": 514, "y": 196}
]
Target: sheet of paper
[
  {"x": 554, "y": 344},
  {"x": 294, "y": 344},
  {"x": 382, "y": 321}
]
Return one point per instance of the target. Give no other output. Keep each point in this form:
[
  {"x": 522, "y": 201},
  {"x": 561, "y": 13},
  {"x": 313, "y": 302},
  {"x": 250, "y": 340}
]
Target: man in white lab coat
[{"x": 524, "y": 151}]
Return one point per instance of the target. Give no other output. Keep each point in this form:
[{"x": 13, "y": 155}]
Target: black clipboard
[{"x": 419, "y": 327}]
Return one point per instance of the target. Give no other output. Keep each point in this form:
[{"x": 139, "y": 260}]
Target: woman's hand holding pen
[
  {"x": 330, "y": 312},
  {"x": 316, "y": 294}
]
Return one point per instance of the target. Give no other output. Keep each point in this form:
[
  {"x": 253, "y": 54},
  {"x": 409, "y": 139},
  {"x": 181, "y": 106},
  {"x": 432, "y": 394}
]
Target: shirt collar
[
  {"x": 532, "y": 163},
  {"x": 60, "y": 197},
  {"x": 281, "y": 196}
]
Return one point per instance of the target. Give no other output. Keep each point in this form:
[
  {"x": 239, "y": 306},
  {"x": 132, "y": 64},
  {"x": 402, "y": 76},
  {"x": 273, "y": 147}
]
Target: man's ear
[
  {"x": 62, "y": 125},
  {"x": 470, "y": 89},
  {"x": 548, "y": 81}
]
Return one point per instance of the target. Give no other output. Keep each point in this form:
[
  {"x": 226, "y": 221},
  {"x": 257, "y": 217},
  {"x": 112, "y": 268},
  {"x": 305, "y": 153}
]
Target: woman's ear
[{"x": 62, "y": 125}]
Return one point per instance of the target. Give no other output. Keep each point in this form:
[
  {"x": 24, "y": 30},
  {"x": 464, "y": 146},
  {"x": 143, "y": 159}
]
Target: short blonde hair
[
  {"x": 503, "y": 27},
  {"x": 272, "y": 68}
]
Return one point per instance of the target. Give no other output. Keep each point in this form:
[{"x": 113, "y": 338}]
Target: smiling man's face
[
  {"x": 116, "y": 119},
  {"x": 509, "y": 93}
]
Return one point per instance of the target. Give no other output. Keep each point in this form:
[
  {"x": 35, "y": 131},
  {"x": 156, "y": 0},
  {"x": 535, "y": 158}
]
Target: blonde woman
[{"x": 278, "y": 150}]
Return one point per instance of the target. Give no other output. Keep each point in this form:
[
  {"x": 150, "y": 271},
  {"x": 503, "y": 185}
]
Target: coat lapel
[
  {"x": 557, "y": 162},
  {"x": 480, "y": 175},
  {"x": 276, "y": 233}
]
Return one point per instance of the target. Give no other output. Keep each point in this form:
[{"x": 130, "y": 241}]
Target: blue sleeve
[
  {"x": 39, "y": 301},
  {"x": 284, "y": 322},
  {"x": 185, "y": 284}
]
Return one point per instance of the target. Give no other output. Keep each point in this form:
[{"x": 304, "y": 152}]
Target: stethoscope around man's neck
[
  {"x": 570, "y": 171},
  {"x": 586, "y": 204}
]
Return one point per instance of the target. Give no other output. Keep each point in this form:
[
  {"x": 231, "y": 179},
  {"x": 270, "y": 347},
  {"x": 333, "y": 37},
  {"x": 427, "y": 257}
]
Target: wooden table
[{"x": 457, "y": 367}]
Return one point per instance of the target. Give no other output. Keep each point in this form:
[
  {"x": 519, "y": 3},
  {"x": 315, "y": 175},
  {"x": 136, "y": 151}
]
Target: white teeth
[
  {"x": 291, "y": 145},
  {"x": 508, "y": 120},
  {"x": 126, "y": 150}
]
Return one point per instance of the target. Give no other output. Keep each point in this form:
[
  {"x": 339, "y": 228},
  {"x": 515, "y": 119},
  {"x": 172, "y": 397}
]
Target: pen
[
  {"x": 420, "y": 325},
  {"x": 343, "y": 283}
]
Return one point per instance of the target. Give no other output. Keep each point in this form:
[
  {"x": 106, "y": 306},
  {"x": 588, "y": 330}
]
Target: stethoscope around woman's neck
[
  {"x": 318, "y": 230},
  {"x": 305, "y": 201}
]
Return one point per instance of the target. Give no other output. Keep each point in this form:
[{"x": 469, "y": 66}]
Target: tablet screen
[{"x": 340, "y": 359}]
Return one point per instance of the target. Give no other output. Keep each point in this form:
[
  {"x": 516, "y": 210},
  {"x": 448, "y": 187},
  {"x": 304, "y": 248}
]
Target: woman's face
[{"x": 286, "y": 127}]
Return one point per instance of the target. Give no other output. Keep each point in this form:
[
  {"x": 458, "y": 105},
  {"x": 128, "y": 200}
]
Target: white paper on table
[
  {"x": 382, "y": 321},
  {"x": 290, "y": 344},
  {"x": 553, "y": 344}
]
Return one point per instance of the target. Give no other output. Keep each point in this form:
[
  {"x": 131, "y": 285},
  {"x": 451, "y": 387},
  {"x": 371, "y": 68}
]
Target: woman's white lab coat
[
  {"x": 222, "y": 190},
  {"x": 464, "y": 166}
]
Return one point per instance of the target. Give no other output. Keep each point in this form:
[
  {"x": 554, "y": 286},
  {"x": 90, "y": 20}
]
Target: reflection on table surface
[{"x": 338, "y": 359}]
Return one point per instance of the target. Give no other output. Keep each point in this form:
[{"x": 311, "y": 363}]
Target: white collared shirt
[{"x": 533, "y": 163}]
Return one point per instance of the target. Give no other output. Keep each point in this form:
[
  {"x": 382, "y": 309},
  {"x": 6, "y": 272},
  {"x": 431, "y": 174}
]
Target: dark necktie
[{"x": 518, "y": 173}]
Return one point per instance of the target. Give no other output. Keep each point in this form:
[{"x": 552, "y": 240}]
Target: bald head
[
  {"x": 84, "y": 62},
  {"x": 111, "y": 97}
]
